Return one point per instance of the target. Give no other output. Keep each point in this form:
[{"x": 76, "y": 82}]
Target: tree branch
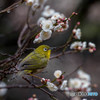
[{"x": 13, "y": 6}]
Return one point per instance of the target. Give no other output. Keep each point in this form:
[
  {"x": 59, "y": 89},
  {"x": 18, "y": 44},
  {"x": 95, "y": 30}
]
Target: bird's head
[{"x": 45, "y": 50}]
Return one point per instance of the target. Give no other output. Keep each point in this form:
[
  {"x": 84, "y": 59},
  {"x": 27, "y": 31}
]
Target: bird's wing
[{"x": 31, "y": 62}]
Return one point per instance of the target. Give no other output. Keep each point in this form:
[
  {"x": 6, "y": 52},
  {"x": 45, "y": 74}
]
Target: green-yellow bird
[{"x": 36, "y": 61}]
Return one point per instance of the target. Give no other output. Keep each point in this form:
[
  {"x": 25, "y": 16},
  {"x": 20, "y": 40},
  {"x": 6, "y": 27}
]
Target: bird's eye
[{"x": 45, "y": 49}]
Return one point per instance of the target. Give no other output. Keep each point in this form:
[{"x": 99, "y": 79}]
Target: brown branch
[
  {"x": 26, "y": 27},
  {"x": 5, "y": 54},
  {"x": 21, "y": 35},
  {"x": 13, "y": 6},
  {"x": 61, "y": 54},
  {"x": 17, "y": 86},
  {"x": 74, "y": 71},
  {"x": 11, "y": 62},
  {"x": 36, "y": 86},
  {"x": 70, "y": 39}
]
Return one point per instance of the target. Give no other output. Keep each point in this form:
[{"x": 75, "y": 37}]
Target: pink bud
[
  {"x": 59, "y": 80},
  {"x": 78, "y": 23},
  {"x": 74, "y": 31},
  {"x": 76, "y": 13},
  {"x": 63, "y": 19},
  {"x": 37, "y": 36},
  {"x": 69, "y": 89},
  {"x": 73, "y": 13},
  {"x": 79, "y": 48},
  {"x": 91, "y": 50},
  {"x": 30, "y": 99},
  {"x": 94, "y": 49},
  {"x": 62, "y": 77},
  {"x": 69, "y": 19}
]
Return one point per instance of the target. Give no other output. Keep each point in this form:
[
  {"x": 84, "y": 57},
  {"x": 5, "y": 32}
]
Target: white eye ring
[{"x": 45, "y": 49}]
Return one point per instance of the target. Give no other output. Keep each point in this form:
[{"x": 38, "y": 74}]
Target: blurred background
[{"x": 88, "y": 11}]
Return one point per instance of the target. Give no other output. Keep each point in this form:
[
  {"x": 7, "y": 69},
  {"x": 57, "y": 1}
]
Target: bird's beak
[{"x": 52, "y": 48}]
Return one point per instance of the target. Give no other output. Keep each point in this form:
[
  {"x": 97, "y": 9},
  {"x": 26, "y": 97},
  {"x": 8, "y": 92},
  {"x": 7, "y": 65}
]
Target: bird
[{"x": 36, "y": 61}]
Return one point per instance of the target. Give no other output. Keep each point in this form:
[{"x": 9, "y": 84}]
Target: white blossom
[
  {"x": 57, "y": 73},
  {"x": 3, "y": 91},
  {"x": 78, "y": 45},
  {"x": 92, "y": 47},
  {"x": 74, "y": 31},
  {"x": 84, "y": 44},
  {"x": 51, "y": 86},
  {"x": 43, "y": 79},
  {"x": 47, "y": 25},
  {"x": 56, "y": 16},
  {"x": 57, "y": 27},
  {"x": 38, "y": 4},
  {"x": 47, "y": 7},
  {"x": 35, "y": 98},
  {"x": 84, "y": 99},
  {"x": 92, "y": 44},
  {"x": 83, "y": 75},
  {"x": 66, "y": 89},
  {"x": 37, "y": 40},
  {"x": 48, "y": 12},
  {"x": 63, "y": 85},
  {"x": 30, "y": 2},
  {"x": 89, "y": 89},
  {"x": 67, "y": 25},
  {"x": 67, "y": 93},
  {"x": 35, "y": 6},
  {"x": 85, "y": 84},
  {"x": 75, "y": 83},
  {"x": 77, "y": 33},
  {"x": 45, "y": 35},
  {"x": 42, "y": 2},
  {"x": 75, "y": 45},
  {"x": 40, "y": 20},
  {"x": 61, "y": 27}
]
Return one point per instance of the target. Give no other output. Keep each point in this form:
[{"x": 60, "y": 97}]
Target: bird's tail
[{"x": 16, "y": 76}]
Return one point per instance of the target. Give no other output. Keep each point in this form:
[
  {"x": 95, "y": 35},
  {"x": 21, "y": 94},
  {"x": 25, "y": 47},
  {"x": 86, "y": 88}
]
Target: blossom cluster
[
  {"x": 80, "y": 46},
  {"x": 82, "y": 82},
  {"x": 50, "y": 22},
  {"x": 59, "y": 77},
  {"x": 35, "y": 3}
]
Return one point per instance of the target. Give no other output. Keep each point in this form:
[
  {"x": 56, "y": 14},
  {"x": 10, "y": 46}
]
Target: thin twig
[
  {"x": 5, "y": 54},
  {"x": 21, "y": 35},
  {"x": 13, "y": 6},
  {"x": 74, "y": 71},
  {"x": 36, "y": 86},
  {"x": 17, "y": 86},
  {"x": 61, "y": 54}
]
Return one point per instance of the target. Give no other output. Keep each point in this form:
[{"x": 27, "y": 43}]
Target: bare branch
[
  {"x": 13, "y": 6},
  {"x": 74, "y": 71},
  {"x": 36, "y": 86},
  {"x": 61, "y": 54},
  {"x": 5, "y": 54},
  {"x": 17, "y": 86}
]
